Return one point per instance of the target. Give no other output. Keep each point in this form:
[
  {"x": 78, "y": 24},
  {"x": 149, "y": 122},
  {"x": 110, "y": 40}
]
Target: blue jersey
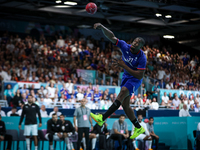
[
  {"x": 134, "y": 61},
  {"x": 89, "y": 96},
  {"x": 97, "y": 97}
]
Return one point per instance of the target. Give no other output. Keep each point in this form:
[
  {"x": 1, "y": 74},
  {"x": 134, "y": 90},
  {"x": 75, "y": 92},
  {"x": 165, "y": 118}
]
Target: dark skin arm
[{"x": 136, "y": 73}]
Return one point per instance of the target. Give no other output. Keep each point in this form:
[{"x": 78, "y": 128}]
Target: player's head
[
  {"x": 122, "y": 118},
  {"x": 137, "y": 44},
  {"x": 30, "y": 99},
  {"x": 151, "y": 120},
  {"x": 140, "y": 118},
  {"x": 54, "y": 117},
  {"x": 62, "y": 117}
]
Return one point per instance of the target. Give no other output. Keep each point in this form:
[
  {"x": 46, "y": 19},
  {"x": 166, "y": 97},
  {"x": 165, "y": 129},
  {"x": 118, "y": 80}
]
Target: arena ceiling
[{"x": 132, "y": 16}]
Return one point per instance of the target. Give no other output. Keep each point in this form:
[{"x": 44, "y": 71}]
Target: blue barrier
[
  {"x": 163, "y": 113},
  {"x": 176, "y": 132}
]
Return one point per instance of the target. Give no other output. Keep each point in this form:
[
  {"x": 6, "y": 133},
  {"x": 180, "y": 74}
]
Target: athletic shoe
[
  {"x": 150, "y": 149},
  {"x": 137, "y": 132},
  {"x": 137, "y": 149},
  {"x": 98, "y": 118},
  {"x": 81, "y": 148}
]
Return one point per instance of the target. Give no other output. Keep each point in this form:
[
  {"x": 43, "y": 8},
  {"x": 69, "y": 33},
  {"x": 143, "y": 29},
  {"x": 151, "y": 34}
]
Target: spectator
[
  {"x": 42, "y": 92},
  {"x": 42, "y": 102},
  {"x": 19, "y": 112},
  {"x": 181, "y": 105},
  {"x": 120, "y": 132},
  {"x": 150, "y": 128},
  {"x": 154, "y": 104},
  {"x": 83, "y": 118},
  {"x": 4, "y": 136},
  {"x": 184, "y": 112},
  {"x": 17, "y": 100},
  {"x": 43, "y": 111},
  {"x": 197, "y": 98},
  {"x": 70, "y": 86},
  {"x": 51, "y": 90},
  {"x": 142, "y": 137},
  {"x": 55, "y": 111},
  {"x": 185, "y": 60},
  {"x": 191, "y": 107},
  {"x": 2, "y": 113},
  {"x": 54, "y": 130},
  {"x": 155, "y": 89},
  {"x": 60, "y": 42},
  {"x": 165, "y": 98},
  {"x": 23, "y": 90},
  {"x": 68, "y": 130},
  {"x": 161, "y": 73},
  {"x": 13, "y": 112},
  {"x": 176, "y": 102},
  {"x": 162, "y": 84},
  {"x": 198, "y": 127},
  {"x": 8, "y": 93}
]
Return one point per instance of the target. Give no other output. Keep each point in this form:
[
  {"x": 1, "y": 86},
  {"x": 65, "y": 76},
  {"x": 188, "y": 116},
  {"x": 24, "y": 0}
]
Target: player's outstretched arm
[{"x": 109, "y": 34}]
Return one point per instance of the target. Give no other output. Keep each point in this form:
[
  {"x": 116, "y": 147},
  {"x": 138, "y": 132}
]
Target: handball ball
[{"x": 91, "y": 8}]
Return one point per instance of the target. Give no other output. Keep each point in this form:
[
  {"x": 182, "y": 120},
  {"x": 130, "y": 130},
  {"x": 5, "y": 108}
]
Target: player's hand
[
  {"x": 76, "y": 129},
  {"x": 97, "y": 26},
  {"x": 118, "y": 62},
  {"x": 91, "y": 127},
  {"x": 40, "y": 124},
  {"x": 19, "y": 126},
  {"x": 1, "y": 138}
]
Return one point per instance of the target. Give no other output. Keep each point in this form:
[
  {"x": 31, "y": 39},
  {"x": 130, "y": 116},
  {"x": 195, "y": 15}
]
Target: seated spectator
[
  {"x": 8, "y": 93},
  {"x": 69, "y": 86},
  {"x": 55, "y": 111},
  {"x": 23, "y": 90},
  {"x": 17, "y": 100},
  {"x": 68, "y": 130},
  {"x": 155, "y": 89},
  {"x": 54, "y": 130},
  {"x": 120, "y": 131},
  {"x": 197, "y": 108},
  {"x": 100, "y": 132},
  {"x": 24, "y": 98},
  {"x": 150, "y": 128},
  {"x": 142, "y": 137},
  {"x": 181, "y": 105},
  {"x": 19, "y": 112},
  {"x": 43, "y": 111},
  {"x": 4, "y": 136},
  {"x": 184, "y": 112},
  {"x": 2, "y": 113},
  {"x": 154, "y": 104},
  {"x": 51, "y": 90},
  {"x": 197, "y": 98},
  {"x": 42, "y": 92},
  {"x": 176, "y": 101},
  {"x": 162, "y": 84},
  {"x": 42, "y": 102},
  {"x": 13, "y": 112},
  {"x": 191, "y": 107},
  {"x": 165, "y": 98}
]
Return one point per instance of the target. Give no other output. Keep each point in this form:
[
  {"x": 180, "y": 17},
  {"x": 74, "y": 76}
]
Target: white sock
[
  {"x": 67, "y": 143},
  {"x": 134, "y": 144},
  {"x": 36, "y": 147},
  {"x": 84, "y": 144},
  {"x": 71, "y": 145},
  {"x": 94, "y": 143},
  {"x": 51, "y": 147},
  {"x": 150, "y": 143},
  {"x": 28, "y": 143}
]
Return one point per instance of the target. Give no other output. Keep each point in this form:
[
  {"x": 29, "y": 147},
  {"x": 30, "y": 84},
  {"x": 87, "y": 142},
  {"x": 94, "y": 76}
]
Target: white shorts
[
  {"x": 31, "y": 130},
  {"x": 55, "y": 137}
]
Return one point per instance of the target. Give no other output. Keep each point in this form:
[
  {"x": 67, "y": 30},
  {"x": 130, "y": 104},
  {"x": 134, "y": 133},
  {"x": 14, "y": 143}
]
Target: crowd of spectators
[{"x": 55, "y": 62}]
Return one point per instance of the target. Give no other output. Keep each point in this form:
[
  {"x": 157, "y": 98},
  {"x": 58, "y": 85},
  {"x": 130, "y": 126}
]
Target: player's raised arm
[{"x": 109, "y": 34}]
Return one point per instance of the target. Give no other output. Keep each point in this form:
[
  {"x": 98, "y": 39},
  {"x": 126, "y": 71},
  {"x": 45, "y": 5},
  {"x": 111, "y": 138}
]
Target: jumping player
[{"x": 134, "y": 62}]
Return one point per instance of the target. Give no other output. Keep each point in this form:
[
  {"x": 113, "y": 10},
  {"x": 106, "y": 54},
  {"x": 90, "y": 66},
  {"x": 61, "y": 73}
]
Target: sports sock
[
  {"x": 112, "y": 109},
  {"x": 36, "y": 147},
  {"x": 51, "y": 147},
  {"x": 28, "y": 143},
  {"x": 134, "y": 144},
  {"x": 136, "y": 123},
  {"x": 94, "y": 143},
  {"x": 67, "y": 143},
  {"x": 150, "y": 143},
  {"x": 84, "y": 144}
]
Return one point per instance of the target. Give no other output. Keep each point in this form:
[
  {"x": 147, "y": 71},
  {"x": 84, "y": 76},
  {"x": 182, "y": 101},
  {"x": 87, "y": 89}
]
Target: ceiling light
[
  {"x": 158, "y": 15},
  {"x": 58, "y": 1},
  {"x": 168, "y": 36},
  {"x": 61, "y": 6},
  {"x": 168, "y": 16},
  {"x": 70, "y": 3}
]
